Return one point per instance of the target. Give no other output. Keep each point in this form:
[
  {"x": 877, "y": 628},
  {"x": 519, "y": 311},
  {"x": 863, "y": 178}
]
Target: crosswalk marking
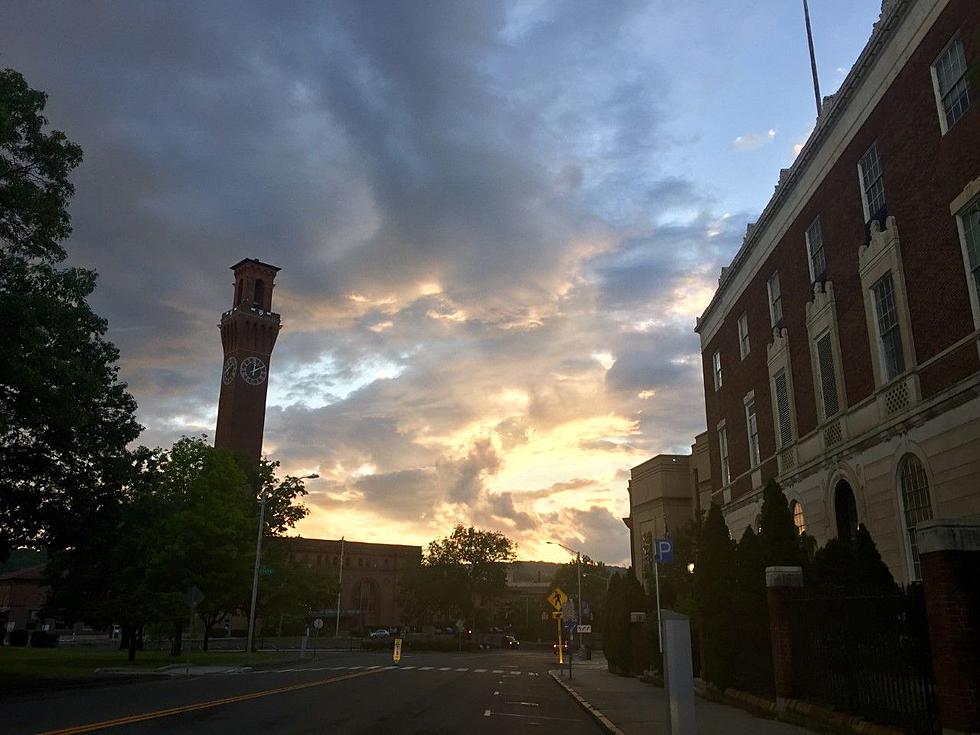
[
  {"x": 498, "y": 671},
  {"x": 445, "y": 668},
  {"x": 464, "y": 669},
  {"x": 425, "y": 668},
  {"x": 409, "y": 667},
  {"x": 480, "y": 671}
]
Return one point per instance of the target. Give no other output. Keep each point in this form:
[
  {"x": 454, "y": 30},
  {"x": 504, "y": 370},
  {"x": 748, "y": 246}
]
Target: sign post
[
  {"x": 663, "y": 554},
  {"x": 396, "y": 654}
]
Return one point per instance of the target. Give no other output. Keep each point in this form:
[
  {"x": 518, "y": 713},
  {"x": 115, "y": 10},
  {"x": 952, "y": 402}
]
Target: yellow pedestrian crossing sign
[{"x": 557, "y": 598}]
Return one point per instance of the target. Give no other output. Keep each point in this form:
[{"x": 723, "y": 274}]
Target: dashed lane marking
[{"x": 486, "y": 713}]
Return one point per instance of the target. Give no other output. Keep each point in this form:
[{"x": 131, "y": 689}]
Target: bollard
[{"x": 678, "y": 673}]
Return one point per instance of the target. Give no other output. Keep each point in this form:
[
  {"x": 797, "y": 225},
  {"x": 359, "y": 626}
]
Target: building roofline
[
  {"x": 892, "y": 13},
  {"x": 255, "y": 262}
]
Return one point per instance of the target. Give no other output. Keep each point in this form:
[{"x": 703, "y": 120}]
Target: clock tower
[{"x": 248, "y": 334}]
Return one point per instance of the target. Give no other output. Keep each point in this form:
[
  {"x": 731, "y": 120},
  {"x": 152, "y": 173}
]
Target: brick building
[
  {"x": 371, "y": 574},
  {"x": 840, "y": 351}
]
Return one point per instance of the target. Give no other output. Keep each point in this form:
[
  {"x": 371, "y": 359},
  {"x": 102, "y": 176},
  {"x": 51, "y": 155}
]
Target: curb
[{"x": 604, "y": 722}]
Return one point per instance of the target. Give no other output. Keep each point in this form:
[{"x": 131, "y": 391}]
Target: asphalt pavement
[{"x": 472, "y": 693}]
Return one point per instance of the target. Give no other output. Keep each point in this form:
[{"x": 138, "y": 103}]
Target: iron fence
[{"x": 868, "y": 656}]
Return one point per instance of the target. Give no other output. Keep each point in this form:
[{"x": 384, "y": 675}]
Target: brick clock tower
[{"x": 248, "y": 334}]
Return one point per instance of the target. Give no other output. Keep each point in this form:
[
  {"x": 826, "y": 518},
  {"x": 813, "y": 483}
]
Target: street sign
[
  {"x": 638, "y": 617},
  {"x": 556, "y": 616},
  {"x": 265, "y": 571},
  {"x": 663, "y": 551},
  {"x": 396, "y": 655},
  {"x": 318, "y": 623},
  {"x": 557, "y": 598},
  {"x": 194, "y": 596},
  {"x": 583, "y": 629}
]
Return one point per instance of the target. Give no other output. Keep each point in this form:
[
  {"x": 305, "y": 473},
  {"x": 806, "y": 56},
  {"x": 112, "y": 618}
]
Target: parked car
[
  {"x": 380, "y": 633},
  {"x": 511, "y": 642},
  {"x": 564, "y": 647}
]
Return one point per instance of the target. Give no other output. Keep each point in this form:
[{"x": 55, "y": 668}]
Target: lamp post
[
  {"x": 578, "y": 565},
  {"x": 258, "y": 561}
]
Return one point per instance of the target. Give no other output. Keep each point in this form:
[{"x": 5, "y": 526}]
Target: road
[{"x": 492, "y": 692}]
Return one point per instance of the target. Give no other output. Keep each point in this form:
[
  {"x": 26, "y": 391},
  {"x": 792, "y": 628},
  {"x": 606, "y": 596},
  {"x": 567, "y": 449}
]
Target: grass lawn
[{"x": 31, "y": 666}]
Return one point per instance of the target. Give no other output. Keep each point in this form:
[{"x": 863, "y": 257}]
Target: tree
[
  {"x": 65, "y": 419},
  {"x": 714, "y": 586},
  {"x": 752, "y": 668},
  {"x": 778, "y": 535},
  {"x": 595, "y": 579},
  {"x": 457, "y": 572},
  {"x": 293, "y": 590},
  {"x": 845, "y": 568}
]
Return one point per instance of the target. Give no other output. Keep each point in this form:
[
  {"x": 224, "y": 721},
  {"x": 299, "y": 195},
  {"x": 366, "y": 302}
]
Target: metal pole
[
  {"x": 660, "y": 630},
  {"x": 578, "y": 559},
  {"x": 340, "y": 586},
  {"x": 255, "y": 574}
]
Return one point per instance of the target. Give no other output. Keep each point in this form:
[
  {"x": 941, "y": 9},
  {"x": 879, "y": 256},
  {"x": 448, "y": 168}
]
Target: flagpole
[{"x": 813, "y": 58}]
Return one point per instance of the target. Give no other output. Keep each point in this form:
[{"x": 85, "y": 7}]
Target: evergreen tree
[
  {"x": 714, "y": 582},
  {"x": 753, "y": 663},
  {"x": 778, "y": 534}
]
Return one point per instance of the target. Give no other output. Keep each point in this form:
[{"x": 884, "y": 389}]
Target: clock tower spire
[{"x": 248, "y": 334}]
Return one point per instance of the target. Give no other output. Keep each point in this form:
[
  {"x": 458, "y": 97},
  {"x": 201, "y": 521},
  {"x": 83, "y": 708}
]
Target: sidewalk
[{"x": 629, "y": 706}]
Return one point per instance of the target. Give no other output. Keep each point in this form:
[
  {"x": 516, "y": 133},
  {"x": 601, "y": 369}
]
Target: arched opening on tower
[{"x": 259, "y": 297}]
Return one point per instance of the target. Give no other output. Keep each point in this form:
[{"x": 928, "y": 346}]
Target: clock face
[
  {"x": 253, "y": 371},
  {"x": 228, "y": 373}
]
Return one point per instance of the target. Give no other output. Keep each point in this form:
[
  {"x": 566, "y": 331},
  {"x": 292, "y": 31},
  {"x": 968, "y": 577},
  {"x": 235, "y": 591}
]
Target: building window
[
  {"x": 951, "y": 85},
  {"x": 815, "y": 255},
  {"x": 872, "y": 182},
  {"x": 753, "y": 427},
  {"x": 743, "y": 335},
  {"x": 782, "y": 409},
  {"x": 889, "y": 334},
  {"x": 828, "y": 375},
  {"x": 916, "y": 504},
  {"x": 775, "y": 301},
  {"x": 726, "y": 476},
  {"x": 799, "y": 519},
  {"x": 969, "y": 225},
  {"x": 716, "y": 367}
]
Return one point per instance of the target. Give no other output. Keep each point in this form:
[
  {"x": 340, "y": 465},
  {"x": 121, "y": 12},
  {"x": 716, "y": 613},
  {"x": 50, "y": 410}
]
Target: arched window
[
  {"x": 799, "y": 519},
  {"x": 259, "y": 292},
  {"x": 916, "y": 504},
  {"x": 846, "y": 511}
]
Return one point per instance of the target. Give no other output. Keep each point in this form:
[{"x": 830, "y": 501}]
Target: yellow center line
[{"x": 203, "y": 705}]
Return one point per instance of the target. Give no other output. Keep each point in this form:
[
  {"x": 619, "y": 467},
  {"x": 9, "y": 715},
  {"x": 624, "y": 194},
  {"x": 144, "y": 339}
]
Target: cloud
[
  {"x": 490, "y": 275},
  {"x": 752, "y": 141}
]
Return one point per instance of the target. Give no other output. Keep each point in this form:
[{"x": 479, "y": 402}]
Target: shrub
[
  {"x": 18, "y": 637},
  {"x": 43, "y": 639}
]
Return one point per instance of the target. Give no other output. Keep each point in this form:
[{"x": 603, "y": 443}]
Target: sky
[{"x": 496, "y": 221}]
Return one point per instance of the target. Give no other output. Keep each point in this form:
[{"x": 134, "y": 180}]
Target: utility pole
[
  {"x": 340, "y": 587},
  {"x": 255, "y": 575}
]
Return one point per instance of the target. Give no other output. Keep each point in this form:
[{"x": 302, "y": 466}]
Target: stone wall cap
[
  {"x": 948, "y": 534},
  {"x": 784, "y": 576}
]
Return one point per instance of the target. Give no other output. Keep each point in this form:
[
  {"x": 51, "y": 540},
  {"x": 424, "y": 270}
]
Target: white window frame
[
  {"x": 809, "y": 250},
  {"x": 944, "y": 124},
  {"x": 726, "y": 469},
  {"x": 801, "y": 526},
  {"x": 778, "y": 361},
  {"x": 772, "y": 312},
  {"x": 912, "y": 557},
  {"x": 966, "y": 201},
  {"x": 868, "y": 214},
  {"x": 879, "y": 337},
  {"x": 716, "y": 369},
  {"x": 752, "y": 430},
  {"x": 743, "y": 336}
]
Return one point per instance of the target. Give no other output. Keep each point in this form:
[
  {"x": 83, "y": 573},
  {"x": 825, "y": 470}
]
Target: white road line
[
  {"x": 425, "y": 668},
  {"x": 498, "y": 671},
  {"x": 406, "y": 668},
  {"x": 524, "y": 704},
  {"x": 445, "y": 668},
  {"x": 515, "y": 673},
  {"x": 374, "y": 667},
  {"x": 486, "y": 713},
  {"x": 531, "y": 673},
  {"x": 480, "y": 671},
  {"x": 496, "y": 694},
  {"x": 354, "y": 668},
  {"x": 464, "y": 669}
]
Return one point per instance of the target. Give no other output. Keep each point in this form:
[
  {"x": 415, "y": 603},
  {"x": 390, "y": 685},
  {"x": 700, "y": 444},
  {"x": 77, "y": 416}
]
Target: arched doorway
[{"x": 846, "y": 511}]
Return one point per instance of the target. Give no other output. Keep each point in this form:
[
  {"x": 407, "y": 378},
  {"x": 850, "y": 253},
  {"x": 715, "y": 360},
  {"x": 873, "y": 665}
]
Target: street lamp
[
  {"x": 578, "y": 564},
  {"x": 258, "y": 561}
]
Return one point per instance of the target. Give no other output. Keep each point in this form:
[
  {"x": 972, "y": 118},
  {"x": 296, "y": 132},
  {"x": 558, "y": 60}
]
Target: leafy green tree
[
  {"x": 65, "y": 419},
  {"x": 458, "y": 571},
  {"x": 714, "y": 585},
  {"x": 294, "y": 589},
  {"x": 615, "y": 633},
  {"x": 595, "y": 579}
]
